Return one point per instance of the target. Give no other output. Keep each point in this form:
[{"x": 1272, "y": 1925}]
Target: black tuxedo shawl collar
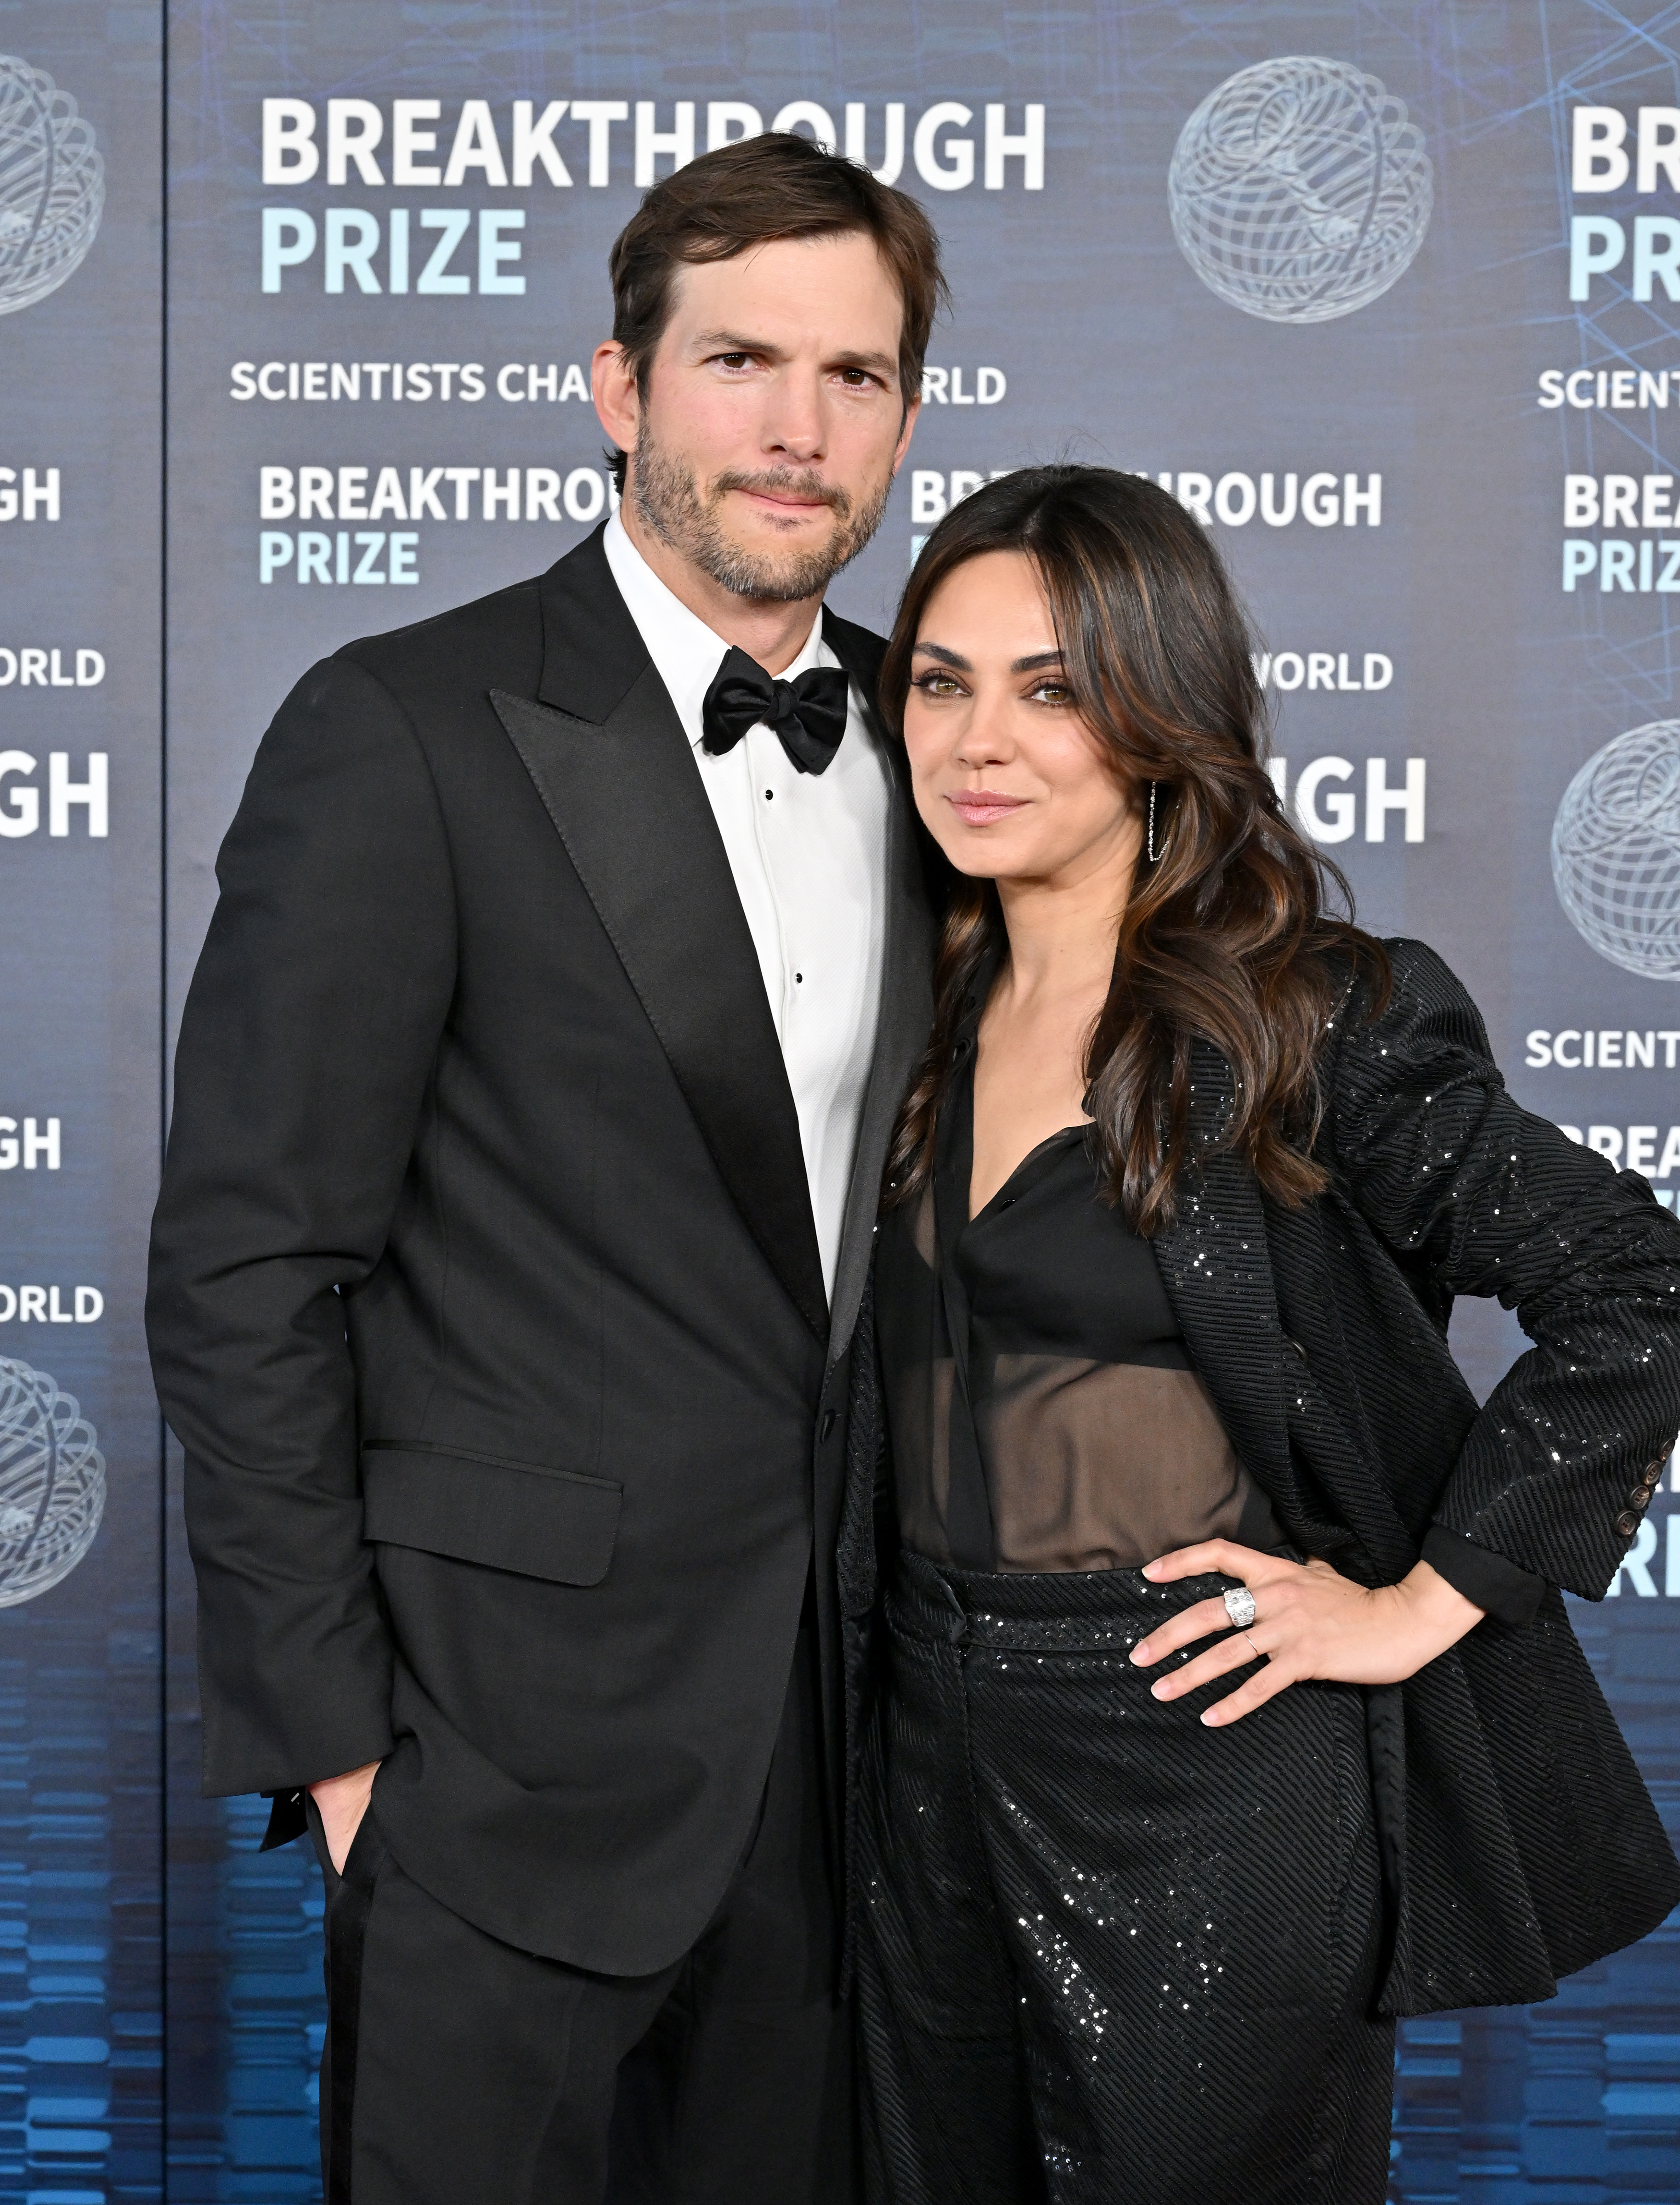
[{"x": 611, "y": 762}]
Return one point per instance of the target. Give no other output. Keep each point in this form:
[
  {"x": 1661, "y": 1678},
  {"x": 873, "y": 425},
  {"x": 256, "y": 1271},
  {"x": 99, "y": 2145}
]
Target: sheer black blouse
[{"x": 1042, "y": 1407}]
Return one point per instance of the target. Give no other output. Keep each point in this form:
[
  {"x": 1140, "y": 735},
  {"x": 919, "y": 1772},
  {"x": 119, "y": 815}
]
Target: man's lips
[
  {"x": 980, "y": 807},
  {"x": 784, "y": 500}
]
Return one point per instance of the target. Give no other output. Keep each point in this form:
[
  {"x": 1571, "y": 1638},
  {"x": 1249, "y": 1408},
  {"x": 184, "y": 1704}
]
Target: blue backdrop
[{"x": 297, "y": 299}]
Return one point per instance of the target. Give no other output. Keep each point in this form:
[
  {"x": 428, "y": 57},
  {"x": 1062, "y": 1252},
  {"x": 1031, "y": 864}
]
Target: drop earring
[{"x": 1155, "y": 855}]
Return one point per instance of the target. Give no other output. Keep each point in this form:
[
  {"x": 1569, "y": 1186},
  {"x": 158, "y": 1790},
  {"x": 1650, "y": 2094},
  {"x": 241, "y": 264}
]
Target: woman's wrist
[{"x": 1433, "y": 1615}]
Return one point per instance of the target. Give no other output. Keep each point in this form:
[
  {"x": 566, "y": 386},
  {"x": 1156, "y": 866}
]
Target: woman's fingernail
[
  {"x": 1163, "y": 1691},
  {"x": 1151, "y": 1569}
]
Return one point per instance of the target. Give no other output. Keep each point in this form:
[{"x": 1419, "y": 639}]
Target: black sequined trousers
[{"x": 1106, "y": 1956}]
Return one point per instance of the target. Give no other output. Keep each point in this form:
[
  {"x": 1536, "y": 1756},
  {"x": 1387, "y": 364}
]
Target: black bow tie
[{"x": 809, "y": 714}]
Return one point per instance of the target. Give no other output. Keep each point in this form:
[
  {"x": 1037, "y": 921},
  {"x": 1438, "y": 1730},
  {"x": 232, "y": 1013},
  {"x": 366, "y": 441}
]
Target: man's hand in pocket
[{"x": 342, "y": 1802}]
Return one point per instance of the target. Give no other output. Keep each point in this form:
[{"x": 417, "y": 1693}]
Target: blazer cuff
[{"x": 1508, "y": 1594}]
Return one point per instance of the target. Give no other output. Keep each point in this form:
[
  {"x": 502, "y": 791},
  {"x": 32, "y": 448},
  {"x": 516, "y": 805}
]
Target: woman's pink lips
[{"x": 979, "y": 807}]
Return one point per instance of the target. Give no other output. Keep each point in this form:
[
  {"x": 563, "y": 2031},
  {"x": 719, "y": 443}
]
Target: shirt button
[{"x": 1627, "y": 1523}]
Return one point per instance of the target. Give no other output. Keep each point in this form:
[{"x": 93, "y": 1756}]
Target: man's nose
[{"x": 794, "y": 424}]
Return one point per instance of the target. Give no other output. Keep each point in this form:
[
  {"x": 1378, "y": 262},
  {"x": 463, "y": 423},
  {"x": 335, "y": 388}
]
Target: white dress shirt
[{"x": 808, "y": 855}]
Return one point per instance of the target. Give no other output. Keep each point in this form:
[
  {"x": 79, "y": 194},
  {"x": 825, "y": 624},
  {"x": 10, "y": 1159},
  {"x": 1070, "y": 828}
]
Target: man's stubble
[{"x": 671, "y": 504}]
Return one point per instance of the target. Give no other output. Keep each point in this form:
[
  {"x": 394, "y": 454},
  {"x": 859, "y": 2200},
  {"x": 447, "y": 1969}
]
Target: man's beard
[{"x": 670, "y": 502}]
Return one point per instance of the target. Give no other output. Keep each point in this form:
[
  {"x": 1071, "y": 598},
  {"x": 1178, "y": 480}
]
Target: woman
[{"x": 1228, "y": 1705}]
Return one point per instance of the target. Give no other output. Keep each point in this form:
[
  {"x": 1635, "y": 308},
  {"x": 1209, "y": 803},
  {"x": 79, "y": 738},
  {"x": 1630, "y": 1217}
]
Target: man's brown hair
[{"x": 755, "y": 191}]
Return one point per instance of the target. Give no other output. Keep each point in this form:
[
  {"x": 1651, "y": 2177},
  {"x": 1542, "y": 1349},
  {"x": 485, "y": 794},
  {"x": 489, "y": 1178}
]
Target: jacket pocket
[{"x": 518, "y": 1516}]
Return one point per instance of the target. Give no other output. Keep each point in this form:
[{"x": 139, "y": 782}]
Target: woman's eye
[
  {"x": 1053, "y": 693},
  {"x": 938, "y": 684}
]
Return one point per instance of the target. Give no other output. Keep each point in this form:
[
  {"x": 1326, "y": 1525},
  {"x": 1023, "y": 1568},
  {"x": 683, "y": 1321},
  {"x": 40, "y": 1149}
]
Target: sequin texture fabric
[
  {"x": 1518, "y": 1842},
  {"x": 1103, "y": 1953}
]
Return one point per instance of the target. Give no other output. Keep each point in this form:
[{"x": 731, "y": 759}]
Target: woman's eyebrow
[{"x": 1028, "y": 665}]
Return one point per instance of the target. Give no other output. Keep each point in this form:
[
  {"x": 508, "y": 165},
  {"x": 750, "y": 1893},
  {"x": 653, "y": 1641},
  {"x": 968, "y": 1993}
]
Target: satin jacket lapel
[
  {"x": 613, "y": 768},
  {"x": 907, "y": 990},
  {"x": 1216, "y": 1266}
]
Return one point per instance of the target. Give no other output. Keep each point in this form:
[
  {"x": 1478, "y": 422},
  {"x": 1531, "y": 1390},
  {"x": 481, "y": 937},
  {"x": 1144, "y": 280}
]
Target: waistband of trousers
[{"x": 1070, "y": 1611}]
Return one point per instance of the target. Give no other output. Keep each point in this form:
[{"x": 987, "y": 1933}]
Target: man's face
[{"x": 772, "y": 421}]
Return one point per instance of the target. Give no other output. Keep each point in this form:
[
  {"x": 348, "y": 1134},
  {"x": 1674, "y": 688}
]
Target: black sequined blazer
[{"x": 1519, "y": 1842}]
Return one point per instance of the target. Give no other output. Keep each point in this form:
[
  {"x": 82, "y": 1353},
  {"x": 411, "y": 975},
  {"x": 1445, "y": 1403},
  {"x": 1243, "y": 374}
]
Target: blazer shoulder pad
[
  {"x": 492, "y": 639},
  {"x": 1429, "y": 1019}
]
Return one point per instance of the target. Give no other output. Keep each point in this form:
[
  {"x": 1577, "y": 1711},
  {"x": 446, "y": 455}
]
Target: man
[{"x": 531, "y": 1101}]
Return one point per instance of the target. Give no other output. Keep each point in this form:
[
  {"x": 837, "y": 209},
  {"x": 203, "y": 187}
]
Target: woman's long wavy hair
[{"x": 1229, "y": 936}]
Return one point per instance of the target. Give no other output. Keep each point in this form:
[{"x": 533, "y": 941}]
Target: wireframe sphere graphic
[
  {"x": 1298, "y": 189},
  {"x": 52, "y": 1483},
  {"x": 52, "y": 185},
  {"x": 1616, "y": 851}
]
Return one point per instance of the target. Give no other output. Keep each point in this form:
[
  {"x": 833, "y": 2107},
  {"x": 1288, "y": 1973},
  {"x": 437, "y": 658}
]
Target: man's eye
[
  {"x": 734, "y": 359},
  {"x": 856, "y": 378}
]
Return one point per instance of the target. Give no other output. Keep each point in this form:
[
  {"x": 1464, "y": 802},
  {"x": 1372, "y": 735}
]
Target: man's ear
[
  {"x": 618, "y": 402},
  {"x": 912, "y": 413}
]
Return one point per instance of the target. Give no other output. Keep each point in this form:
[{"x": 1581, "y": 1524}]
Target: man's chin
[
  {"x": 770, "y": 566},
  {"x": 766, "y": 536}
]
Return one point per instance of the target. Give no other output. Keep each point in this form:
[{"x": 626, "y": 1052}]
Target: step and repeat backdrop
[
  {"x": 297, "y": 299},
  {"x": 81, "y": 894}
]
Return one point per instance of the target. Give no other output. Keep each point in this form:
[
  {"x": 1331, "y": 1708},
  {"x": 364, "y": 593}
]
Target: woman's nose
[{"x": 987, "y": 740}]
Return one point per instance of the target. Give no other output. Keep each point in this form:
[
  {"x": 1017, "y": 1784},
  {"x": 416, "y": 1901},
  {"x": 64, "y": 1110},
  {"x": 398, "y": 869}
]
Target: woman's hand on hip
[{"x": 1309, "y": 1621}]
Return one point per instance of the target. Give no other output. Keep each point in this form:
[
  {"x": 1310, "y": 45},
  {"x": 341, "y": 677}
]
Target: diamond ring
[{"x": 1239, "y": 1607}]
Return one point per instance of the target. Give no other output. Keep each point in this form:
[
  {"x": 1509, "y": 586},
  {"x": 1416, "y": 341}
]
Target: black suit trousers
[{"x": 460, "y": 2071}]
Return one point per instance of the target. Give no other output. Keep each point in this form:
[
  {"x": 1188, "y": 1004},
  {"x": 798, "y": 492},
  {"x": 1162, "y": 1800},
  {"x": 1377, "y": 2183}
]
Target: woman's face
[{"x": 1013, "y": 785}]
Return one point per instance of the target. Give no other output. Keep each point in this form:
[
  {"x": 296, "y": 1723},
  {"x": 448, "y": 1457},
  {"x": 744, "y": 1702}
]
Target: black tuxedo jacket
[{"x": 485, "y": 1297}]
